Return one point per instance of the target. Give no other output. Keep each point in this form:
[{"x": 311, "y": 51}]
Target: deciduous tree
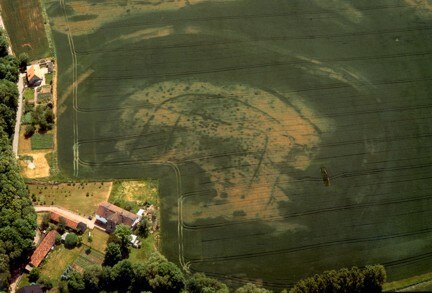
[
  {"x": 112, "y": 254},
  {"x": 199, "y": 283}
]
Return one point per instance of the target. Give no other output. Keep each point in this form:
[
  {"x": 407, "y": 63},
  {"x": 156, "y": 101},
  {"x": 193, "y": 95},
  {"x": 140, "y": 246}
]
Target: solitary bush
[
  {"x": 71, "y": 240},
  {"x": 23, "y": 60},
  {"x": 58, "y": 240},
  {"x": 46, "y": 283},
  {"x": 29, "y": 131},
  {"x": 34, "y": 275}
]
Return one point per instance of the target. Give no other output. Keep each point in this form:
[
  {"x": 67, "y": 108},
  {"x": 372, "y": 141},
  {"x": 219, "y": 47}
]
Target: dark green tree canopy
[
  {"x": 200, "y": 283},
  {"x": 9, "y": 69},
  {"x": 368, "y": 279},
  {"x": 112, "y": 254},
  {"x": 4, "y": 45},
  {"x": 251, "y": 288},
  {"x": 71, "y": 240},
  {"x": 17, "y": 215},
  {"x": 163, "y": 276}
]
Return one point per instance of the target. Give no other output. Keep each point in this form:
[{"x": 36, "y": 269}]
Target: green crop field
[
  {"x": 234, "y": 106},
  {"x": 42, "y": 141},
  {"x": 25, "y": 26}
]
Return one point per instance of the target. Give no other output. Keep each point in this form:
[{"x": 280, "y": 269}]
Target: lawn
[
  {"x": 42, "y": 141},
  {"x": 25, "y": 26},
  {"x": 235, "y": 106},
  {"x": 48, "y": 78},
  {"x": 82, "y": 198},
  {"x": 29, "y": 94},
  {"x": 99, "y": 242},
  {"x": 57, "y": 260},
  {"x": 148, "y": 246}
]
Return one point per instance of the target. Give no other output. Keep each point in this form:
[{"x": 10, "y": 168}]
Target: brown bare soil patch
[
  {"x": 42, "y": 168},
  {"x": 24, "y": 145}
]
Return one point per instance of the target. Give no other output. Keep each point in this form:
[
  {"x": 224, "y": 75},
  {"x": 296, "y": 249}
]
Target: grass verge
[
  {"x": 56, "y": 262},
  {"x": 99, "y": 242},
  {"x": 148, "y": 246},
  {"x": 28, "y": 94},
  {"x": 397, "y": 285}
]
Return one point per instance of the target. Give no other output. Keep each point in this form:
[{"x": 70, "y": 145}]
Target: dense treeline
[
  {"x": 17, "y": 215},
  {"x": 368, "y": 279},
  {"x": 160, "y": 275},
  {"x": 9, "y": 71},
  {"x": 8, "y": 106}
]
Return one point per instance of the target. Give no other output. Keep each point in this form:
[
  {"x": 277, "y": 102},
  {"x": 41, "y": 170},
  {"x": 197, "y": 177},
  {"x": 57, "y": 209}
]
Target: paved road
[
  {"x": 19, "y": 114},
  {"x": 67, "y": 214}
]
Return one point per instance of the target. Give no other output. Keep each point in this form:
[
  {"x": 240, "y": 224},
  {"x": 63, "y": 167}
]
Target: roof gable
[
  {"x": 43, "y": 248},
  {"x": 116, "y": 214},
  {"x": 69, "y": 223}
]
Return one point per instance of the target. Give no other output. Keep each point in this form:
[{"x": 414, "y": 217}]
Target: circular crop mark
[{"x": 243, "y": 139}]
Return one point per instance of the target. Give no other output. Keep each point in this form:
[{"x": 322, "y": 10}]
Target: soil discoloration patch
[
  {"x": 41, "y": 167},
  {"x": 239, "y": 136}
]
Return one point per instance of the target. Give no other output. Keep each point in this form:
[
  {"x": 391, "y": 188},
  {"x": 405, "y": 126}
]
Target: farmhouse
[
  {"x": 77, "y": 226},
  {"x": 34, "y": 75},
  {"x": 42, "y": 250},
  {"x": 108, "y": 216}
]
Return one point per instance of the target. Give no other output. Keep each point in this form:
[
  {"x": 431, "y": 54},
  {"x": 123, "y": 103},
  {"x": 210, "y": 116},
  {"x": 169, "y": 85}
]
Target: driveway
[
  {"x": 67, "y": 214},
  {"x": 19, "y": 114}
]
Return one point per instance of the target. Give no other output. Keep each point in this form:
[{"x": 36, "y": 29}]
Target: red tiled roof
[
  {"x": 69, "y": 223},
  {"x": 30, "y": 73},
  {"x": 116, "y": 214},
  {"x": 43, "y": 248}
]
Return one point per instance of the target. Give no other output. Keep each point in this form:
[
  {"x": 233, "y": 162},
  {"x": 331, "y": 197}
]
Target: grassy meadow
[
  {"x": 25, "y": 26},
  {"x": 82, "y": 198},
  {"x": 235, "y": 106}
]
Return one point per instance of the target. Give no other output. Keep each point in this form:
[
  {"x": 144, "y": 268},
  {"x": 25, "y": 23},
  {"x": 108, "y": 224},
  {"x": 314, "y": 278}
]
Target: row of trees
[
  {"x": 117, "y": 273},
  {"x": 368, "y": 279},
  {"x": 8, "y": 106},
  {"x": 17, "y": 215},
  {"x": 155, "y": 275}
]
